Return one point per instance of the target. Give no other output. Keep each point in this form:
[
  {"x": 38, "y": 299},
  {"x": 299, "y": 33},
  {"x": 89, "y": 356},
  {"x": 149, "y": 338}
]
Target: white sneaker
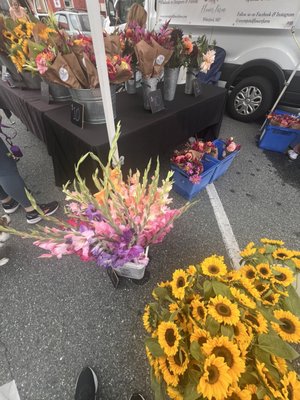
[{"x": 292, "y": 154}]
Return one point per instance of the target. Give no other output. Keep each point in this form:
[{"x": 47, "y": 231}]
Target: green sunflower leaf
[
  {"x": 261, "y": 392},
  {"x": 248, "y": 378},
  {"x": 195, "y": 351},
  {"x": 274, "y": 345},
  {"x": 161, "y": 293},
  {"x": 293, "y": 301},
  {"x": 227, "y": 330},
  {"x": 267, "y": 314},
  {"x": 190, "y": 392},
  {"x": 208, "y": 289},
  {"x": 270, "y": 248},
  {"x": 158, "y": 389},
  {"x": 212, "y": 325},
  {"x": 221, "y": 288},
  {"x": 154, "y": 347}
]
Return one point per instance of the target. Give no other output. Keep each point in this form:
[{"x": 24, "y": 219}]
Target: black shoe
[
  {"x": 87, "y": 385},
  {"x": 11, "y": 206},
  {"x": 136, "y": 396},
  {"x": 48, "y": 209}
]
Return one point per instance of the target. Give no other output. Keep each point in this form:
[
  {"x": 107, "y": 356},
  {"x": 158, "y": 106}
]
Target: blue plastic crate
[
  {"x": 223, "y": 164},
  {"x": 277, "y": 138},
  {"x": 186, "y": 188}
]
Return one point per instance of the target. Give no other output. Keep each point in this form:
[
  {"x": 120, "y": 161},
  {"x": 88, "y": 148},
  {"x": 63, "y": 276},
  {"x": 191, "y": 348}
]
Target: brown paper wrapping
[
  {"x": 73, "y": 63},
  {"x": 52, "y": 74},
  {"x": 112, "y": 45}
]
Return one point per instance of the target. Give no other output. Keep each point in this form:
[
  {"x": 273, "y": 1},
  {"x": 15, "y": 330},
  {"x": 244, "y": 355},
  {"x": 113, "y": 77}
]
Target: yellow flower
[
  {"x": 198, "y": 310},
  {"x": 146, "y": 319},
  {"x": 200, "y": 336},
  {"x": 240, "y": 332},
  {"x": 291, "y": 386},
  {"x": 174, "y": 394},
  {"x": 223, "y": 347},
  {"x": 248, "y": 251},
  {"x": 173, "y": 307},
  {"x": 242, "y": 298},
  {"x": 214, "y": 266},
  {"x": 268, "y": 380},
  {"x": 282, "y": 254},
  {"x": 8, "y": 35},
  {"x": 154, "y": 363},
  {"x": 289, "y": 329},
  {"x": 280, "y": 364},
  {"x": 261, "y": 250},
  {"x": 236, "y": 393},
  {"x": 257, "y": 322},
  {"x": 296, "y": 261},
  {"x": 271, "y": 299},
  {"x": 261, "y": 287},
  {"x": 215, "y": 380},
  {"x": 223, "y": 310},
  {"x": 179, "y": 283},
  {"x": 272, "y": 242},
  {"x": 169, "y": 377},
  {"x": 248, "y": 272},
  {"x": 179, "y": 362},
  {"x": 264, "y": 270},
  {"x": 284, "y": 277},
  {"x": 168, "y": 337},
  {"x": 191, "y": 270}
]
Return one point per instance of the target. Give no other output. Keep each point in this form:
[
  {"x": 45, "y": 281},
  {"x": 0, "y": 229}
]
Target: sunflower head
[
  {"x": 291, "y": 386},
  {"x": 272, "y": 242},
  {"x": 282, "y": 254},
  {"x": 256, "y": 321},
  {"x": 248, "y": 272},
  {"x": 168, "y": 337},
  {"x": 179, "y": 362},
  {"x": 198, "y": 311},
  {"x": 289, "y": 327},
  {"x": 223, "y": 310},
  {"x": 282, "y": 275},
  {"x": 179, "y": 283},
  {"x": 264, "y": 270},
  {"x": 214, "y": 266}
]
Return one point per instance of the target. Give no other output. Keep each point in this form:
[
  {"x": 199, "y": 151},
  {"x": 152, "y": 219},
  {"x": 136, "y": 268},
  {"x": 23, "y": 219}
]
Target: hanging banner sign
[{"x": 276, "y": 14}]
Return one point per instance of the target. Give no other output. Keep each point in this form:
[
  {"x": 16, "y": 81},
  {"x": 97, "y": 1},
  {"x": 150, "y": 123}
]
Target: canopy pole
[{"x": 93, "y": 9}]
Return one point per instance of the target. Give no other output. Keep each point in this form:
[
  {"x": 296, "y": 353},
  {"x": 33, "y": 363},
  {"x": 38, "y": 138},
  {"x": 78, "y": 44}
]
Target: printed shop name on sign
[{"x": 239, "y": 13}]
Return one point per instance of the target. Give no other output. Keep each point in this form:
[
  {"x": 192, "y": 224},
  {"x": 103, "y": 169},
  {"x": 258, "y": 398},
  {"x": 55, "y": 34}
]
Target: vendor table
[
  {"x": 144, "y": 134},
  {"x": 28, "y": 106}
]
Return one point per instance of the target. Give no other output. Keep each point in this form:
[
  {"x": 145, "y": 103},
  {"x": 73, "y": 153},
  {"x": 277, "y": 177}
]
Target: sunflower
[
  {"x": 154, "y": 363},
  {"x": 179, "y": 283},
  {"x": 296, "y": 261},
  {"x": 147, "y": 319},
  {"x": 261, "y": 287},
  {"x": 249, "y": 286},
  {"x": 214, "y": 266},
  {"x": 282, "y": 254},
  {"x": 264, "y": 270},
  {"x": 267, "y": 379},
  {"x": 174, "y": 394},
  {"x": 257, "y": 322},
  {"x": 280, "y": 364},
  {"x": 221, "y": 346},
  {"x": 242, "y": 298},
  {"x": 248, "y": 251},
  {"x": 240, "y": 332},
  {"x": 236, "y": 393},
  {"x": 199, "y": 335},
  {"x": 291, "y": 386},
  {"x": 215, "y": 380},
  {"x": 173, "y": 307},
  {"x": 8, "y": 35},
  {"x": 271, "y": 299},
  {"x": 169, "y": 377},
  {"x": 198, "y": 311},
  {"x": 168, "y": 337},
  {"x": 223, "y": 310},
  {"x": 248, "y": 272},
  {"x": 261, "y": 250},
  {"x": 272, "y": 242},
  {"x": 192, "y": 270},
  {"x": 179, "y": 362},
  {"x": 253, "y": 390},
  {"x": 289, "y": 329},
  {"x": 231, "y": 276},
  {"x": 284, "y": 277}
]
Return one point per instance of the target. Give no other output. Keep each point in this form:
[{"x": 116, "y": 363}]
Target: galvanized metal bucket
[
  {"x": 191, "y": 74},
  {"x": 93, "y": 103},
  {"x": 130, "y": 86},
  {"x": 170, "y": 82},
  {"x": 149, "y": 85},
  {"x": 59, "y": 93}
]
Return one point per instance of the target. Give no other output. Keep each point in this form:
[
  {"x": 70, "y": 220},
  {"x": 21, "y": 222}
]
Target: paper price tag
[
  {"x": 77, "y": 114},
  {"x": 156, "y": 101},
  {"x": 197, "y": 88}
]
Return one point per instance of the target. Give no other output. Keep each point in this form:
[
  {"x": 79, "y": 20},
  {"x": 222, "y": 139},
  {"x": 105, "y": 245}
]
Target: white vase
[{"x": 133, "y": 270}]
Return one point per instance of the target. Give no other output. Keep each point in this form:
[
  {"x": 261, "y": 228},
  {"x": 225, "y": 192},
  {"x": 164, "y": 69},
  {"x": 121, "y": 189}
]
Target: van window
[
  {"x": 63, "y": 22},
  {"x": 75, "y": 22},
  {"x": 84, "y": 22}
]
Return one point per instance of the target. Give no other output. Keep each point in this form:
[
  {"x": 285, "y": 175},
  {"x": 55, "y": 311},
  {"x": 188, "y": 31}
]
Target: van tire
[{"x": 250, "y": 99}]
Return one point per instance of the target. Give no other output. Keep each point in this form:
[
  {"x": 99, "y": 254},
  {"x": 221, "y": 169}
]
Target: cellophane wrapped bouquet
[{"x": 219, "y": 334}]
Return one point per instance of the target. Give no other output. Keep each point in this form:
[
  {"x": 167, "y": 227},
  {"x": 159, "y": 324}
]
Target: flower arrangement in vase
[
  {"x": 224, "y": 334},
  {"x": 114, "y": 225}
]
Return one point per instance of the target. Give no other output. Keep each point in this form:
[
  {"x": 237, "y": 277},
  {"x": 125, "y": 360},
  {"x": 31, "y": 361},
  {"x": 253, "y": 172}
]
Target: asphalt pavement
[{"x": 57, "y": 316}]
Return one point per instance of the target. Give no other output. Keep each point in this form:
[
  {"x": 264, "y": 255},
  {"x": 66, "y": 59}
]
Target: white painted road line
[{"x": 229, "y": 239}]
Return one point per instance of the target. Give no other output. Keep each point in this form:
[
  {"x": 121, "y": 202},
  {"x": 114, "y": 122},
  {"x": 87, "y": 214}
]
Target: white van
[{"x": 261, "y": 52}]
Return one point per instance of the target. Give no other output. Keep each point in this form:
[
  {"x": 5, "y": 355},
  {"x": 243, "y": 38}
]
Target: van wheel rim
[{"x": 248, "y": 100}]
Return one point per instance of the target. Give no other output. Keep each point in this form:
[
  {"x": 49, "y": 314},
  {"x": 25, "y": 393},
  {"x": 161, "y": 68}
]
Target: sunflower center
[
  {"x": 282, "y": 277},
  {"x": 180, "y": 282},
  {"x": 260, "y": 287},
  {"x": 223, "y": 310},
  {"x": 213, "y": 374},
  {"x": 234, "y": 396},
  {"x": 252, "y": 319},
  {"x": 202, "y": 340},
  {"x": 213, "y": 269},
  {"x": 290, "y": 392},
  {"x": 250, "y": 274},
  {"x": 178, "y": 360},
  {"x": 264, "y": 271},
  {"x": 281, "y": 255},
  {"x": 200, "y": 312},
  {"x": 287, "y": 326},
  {"x": 222, "y": 351},
  {"x": 170, "y": 337},
  {"x": 236, "y": 331},
  {"x": 270, "y": 298}
]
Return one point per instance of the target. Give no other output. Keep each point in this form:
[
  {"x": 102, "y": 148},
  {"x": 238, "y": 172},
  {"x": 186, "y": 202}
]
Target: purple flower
[{"x": 93, "y": 214}]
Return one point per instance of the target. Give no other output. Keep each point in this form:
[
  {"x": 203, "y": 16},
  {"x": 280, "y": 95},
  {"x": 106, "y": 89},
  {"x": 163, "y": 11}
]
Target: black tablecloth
[
  {"x": 28, "y": 106},
  {"x": 144, "y": 134}
]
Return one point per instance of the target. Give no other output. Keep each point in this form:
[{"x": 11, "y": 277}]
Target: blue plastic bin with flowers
[
  {"x": 225, "y": 152},
  {"x": 191, "y": 171},
  {"x": 282, "y": 131}
]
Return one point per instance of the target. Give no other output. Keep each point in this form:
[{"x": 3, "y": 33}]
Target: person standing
[
  {"x": 138, "y": 14},
  {"x": 294, "y": 152},
  {"x": 18, "y": 12}
]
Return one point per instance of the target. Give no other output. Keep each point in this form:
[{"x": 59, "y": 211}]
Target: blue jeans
[{"x": 11, "y": 183}]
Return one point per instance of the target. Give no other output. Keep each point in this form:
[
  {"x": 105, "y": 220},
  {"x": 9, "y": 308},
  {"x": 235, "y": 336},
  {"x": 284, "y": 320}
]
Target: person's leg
[
  {"x": 87, "y": 385},
  {"x": 294, "y": 152}
]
